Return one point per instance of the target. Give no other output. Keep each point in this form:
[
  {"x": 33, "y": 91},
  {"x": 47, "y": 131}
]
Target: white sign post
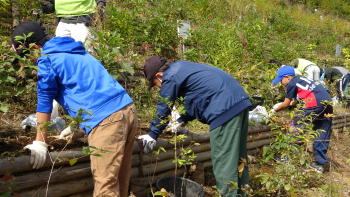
[
  {"x": 183, "y": 31},
  {"x": 338, "y": 50}
]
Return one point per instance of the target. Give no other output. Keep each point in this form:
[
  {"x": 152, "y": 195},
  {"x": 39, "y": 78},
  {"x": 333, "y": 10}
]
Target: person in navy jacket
[
  {"x": 316, "y": 100},
  {"x": 79, "y": 82},
  {"x": 211, "y": 96}
]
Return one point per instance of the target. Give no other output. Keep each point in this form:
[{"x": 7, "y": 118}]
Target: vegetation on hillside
[{"x": 238, "y": 36}]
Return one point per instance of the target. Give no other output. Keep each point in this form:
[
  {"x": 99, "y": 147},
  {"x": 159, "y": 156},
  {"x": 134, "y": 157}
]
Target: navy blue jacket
[{"x": 210, "y": 95}]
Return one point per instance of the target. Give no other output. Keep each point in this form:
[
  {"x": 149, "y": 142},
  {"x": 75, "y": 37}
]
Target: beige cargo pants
[{"x": 114, "y": 138}]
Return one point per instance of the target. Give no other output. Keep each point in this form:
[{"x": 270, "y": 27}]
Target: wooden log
[
  {"x": 40, "y": 178},
  {"x": 202, "y": 156},
  {"x": 191, "y": 137},
  {"x": 339, "y": 116},
  {"x": 258, "y": 128},
  {"x": 338, "y": 126},
  {"x": 340, "y": 121},
  {"x": 148, "y": 158},
  {"x": 21, "y": 163},
  {"x": 61, "y": 189},
  {"x": 259, "y": 136},
  {"x": 259, "y": 143},
  {"x": 168, "y": 164}
]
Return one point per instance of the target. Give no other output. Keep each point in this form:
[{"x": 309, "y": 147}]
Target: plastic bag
[
  {"x": 258, "y": 114},
  {"x": 57, "y": 123},
  {"x": 335, "y": 100},
  {"x": 173, "y": 125}
]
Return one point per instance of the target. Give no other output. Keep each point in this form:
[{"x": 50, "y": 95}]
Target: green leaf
[
  {"x": 287, "y": 187},
  {"x": 161, "y": 193},
  {"x": 10, "y": 79},
  {"x": 73, "y": 161},
  {"x": 4, "y": 107}
]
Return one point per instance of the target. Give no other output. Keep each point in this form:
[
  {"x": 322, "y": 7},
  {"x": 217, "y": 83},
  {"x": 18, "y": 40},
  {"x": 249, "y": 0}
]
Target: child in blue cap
[{"x": 314, "y": 96}]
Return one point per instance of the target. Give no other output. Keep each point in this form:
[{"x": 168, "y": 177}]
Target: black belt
[{"x": 86, "y": 19}]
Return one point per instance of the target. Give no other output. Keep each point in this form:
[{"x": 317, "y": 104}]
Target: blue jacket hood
[
  {"x": 77, "y": 81},
  {"x": 63, "y": 45}
]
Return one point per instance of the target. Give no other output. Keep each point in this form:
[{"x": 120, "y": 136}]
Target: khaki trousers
[{"x": 113, "y": 140}]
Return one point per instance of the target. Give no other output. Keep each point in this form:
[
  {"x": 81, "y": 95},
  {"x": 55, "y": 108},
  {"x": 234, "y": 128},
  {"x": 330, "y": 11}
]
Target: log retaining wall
[{"x": 76, "y": 181}]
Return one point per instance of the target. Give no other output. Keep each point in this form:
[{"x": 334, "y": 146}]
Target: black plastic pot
[{"x": 184, "y": 187}]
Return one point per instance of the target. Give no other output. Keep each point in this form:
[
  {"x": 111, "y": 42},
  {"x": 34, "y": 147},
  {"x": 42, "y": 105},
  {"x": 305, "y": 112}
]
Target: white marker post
[{"x": 183, "y": 31}]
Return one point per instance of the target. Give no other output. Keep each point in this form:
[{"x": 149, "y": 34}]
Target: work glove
[
  {"x": 71, "y": 134},
  {"x": 148, "y": 143},
  {"x": 178, "y": 127},
  {"x": 38, "y": 151},
  {"x": 65, "y": 133},
  {"x": 273, "y": 110},
  {"x": 276, "y": 106}
]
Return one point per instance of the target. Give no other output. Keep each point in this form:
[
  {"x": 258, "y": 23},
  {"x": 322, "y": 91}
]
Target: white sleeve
[
  {"x": 312, "y": 73},
  {"x": 316, "y": 72}
]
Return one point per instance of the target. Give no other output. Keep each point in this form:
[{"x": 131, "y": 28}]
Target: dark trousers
[
  {"x": 229, "y": 153},
  {"x": 323, "y": 124}
]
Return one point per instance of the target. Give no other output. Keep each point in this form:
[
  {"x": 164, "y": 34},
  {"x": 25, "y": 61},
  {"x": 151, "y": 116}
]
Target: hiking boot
[{"x": 317, "y": 167}]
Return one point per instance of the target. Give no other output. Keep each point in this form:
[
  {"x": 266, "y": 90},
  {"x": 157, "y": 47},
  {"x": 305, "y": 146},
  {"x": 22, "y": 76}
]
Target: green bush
[{"x": 17, "y": 79}]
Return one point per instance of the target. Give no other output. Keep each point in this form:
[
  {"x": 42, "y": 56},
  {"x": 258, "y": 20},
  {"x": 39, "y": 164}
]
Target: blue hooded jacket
[
  {"x": 77, "y": 81},
  {"x": 209, "y": 94}
]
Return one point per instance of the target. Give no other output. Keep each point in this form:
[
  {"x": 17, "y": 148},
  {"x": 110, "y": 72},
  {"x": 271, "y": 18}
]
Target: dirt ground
[{"x": 338, "y": 179}]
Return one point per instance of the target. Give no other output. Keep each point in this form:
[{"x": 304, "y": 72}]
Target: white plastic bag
[
  {"x": 258, "y": 114},
  {"x": 174, "y": 125},
  {"x": 335, "y": 100},
  {"x": 57, "y": 123}
]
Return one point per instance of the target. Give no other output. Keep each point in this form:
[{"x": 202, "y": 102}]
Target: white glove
[
  {"x": 66, "y": 132},
  {"x": 177, "y": 127},
  {"x": 276, "y": 106},
  {"x": 38, "y": 151},
  {"x": 272, "y": 112},
  {"x": 148, "y": 143}
]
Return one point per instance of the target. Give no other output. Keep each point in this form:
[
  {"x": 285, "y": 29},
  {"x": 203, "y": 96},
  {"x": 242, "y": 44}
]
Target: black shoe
[{"x": 317, "y": 167}]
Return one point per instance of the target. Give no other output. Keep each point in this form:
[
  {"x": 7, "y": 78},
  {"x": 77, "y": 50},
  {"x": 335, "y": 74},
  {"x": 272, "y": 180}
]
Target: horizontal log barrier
[
  {"x": 40, "y": 178},
  {"x": 258, "y": 129},
  {"x": 339, "y": 126},
  {"x": 21, "y": 163},
  {"x": 191, "y": 137},
  {"x": 28, "y": 182},
  {"x": 340, "y": 121},
  {"x": 149, "y": 158},
  {"x": 61, "y": 189},
  {"x": 258, "y": 136},
  {"x": 339, "y": 116}
]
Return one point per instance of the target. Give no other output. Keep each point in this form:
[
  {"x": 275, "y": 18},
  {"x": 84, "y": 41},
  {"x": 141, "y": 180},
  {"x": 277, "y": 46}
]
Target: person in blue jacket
[
  {"x": 79, "y": 82},
  {"x": 213, "y": 97}
]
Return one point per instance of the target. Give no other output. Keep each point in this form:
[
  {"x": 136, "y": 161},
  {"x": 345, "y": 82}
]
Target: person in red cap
[{"x": 213, "y": 97}]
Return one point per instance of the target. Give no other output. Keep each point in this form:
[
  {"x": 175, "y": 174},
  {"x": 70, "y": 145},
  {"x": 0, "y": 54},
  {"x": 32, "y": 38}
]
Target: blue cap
[{"x": 282, "y": 72}]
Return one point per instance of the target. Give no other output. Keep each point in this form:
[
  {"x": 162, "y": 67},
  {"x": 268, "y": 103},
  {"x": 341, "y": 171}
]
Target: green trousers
[{"x": 229, "y": 155}]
